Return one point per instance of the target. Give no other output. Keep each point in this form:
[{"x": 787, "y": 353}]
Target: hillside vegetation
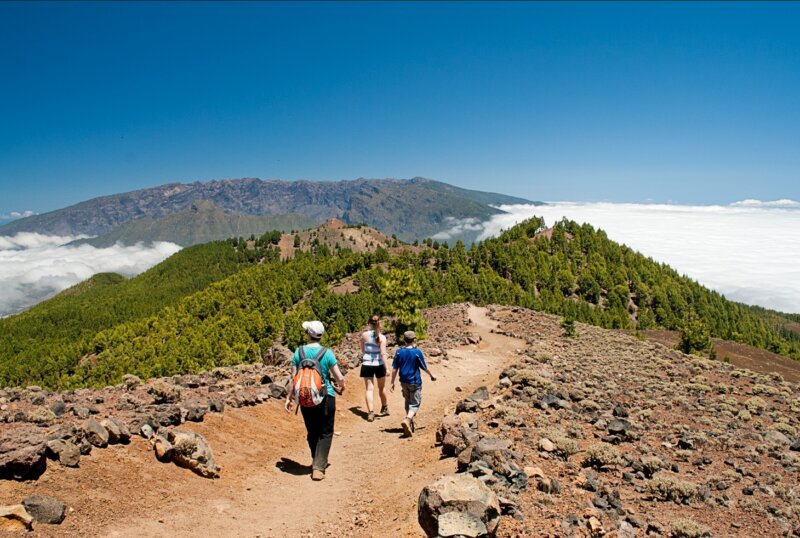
[
  {"x": 572, "y": 270},
  {"x": 59, "y": 328},
  {"x": 199, "y": 223}
]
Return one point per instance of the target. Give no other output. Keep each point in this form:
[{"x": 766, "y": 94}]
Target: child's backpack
[{"x": 309, "y": 386}]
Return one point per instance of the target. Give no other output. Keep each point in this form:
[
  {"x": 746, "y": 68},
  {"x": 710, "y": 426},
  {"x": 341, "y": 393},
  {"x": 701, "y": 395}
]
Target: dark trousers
[{"x": 319, "y": 425}]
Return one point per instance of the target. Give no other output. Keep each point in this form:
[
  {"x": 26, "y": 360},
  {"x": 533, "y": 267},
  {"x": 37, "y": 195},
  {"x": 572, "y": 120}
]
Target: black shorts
[{"x": 376, "y": 371}]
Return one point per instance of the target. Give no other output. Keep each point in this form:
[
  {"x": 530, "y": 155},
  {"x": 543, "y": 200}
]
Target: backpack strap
[
  {"x": 320, "y": 354},
  {"x": 316, "y": 360}
]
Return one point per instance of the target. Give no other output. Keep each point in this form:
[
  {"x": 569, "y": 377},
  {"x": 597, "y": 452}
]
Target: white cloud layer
[
  {"x": 16, "y": 215},
  {"x": 34, "y": 267},
  {"x": 749, "y": 251}
]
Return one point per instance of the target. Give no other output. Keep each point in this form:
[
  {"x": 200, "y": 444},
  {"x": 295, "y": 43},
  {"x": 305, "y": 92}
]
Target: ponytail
[{"x": 375, "y": 323}]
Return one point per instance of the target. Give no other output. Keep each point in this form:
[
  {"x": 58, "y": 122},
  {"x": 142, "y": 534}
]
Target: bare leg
[
  {"x": 368, "y": 393},
  {"x": 382, "y": 391}
]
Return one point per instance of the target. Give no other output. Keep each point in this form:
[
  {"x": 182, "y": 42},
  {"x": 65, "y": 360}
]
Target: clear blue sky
[{"x": 688, "y": 102}]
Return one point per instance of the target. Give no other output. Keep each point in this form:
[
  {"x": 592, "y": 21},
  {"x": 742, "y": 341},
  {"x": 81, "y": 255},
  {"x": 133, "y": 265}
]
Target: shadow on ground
[{"x": 290, "y": 466}]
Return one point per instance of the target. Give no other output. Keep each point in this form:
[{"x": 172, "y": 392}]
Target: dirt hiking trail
[{"x": 265, "y": 489}]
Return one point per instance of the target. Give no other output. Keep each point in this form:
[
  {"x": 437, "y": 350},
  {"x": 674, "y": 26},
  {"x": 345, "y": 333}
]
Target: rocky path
[{"x": 371, "y": 487}]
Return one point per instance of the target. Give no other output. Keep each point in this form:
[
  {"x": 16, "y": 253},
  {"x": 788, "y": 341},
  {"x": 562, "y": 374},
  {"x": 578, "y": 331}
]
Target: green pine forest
[{"x": 228, "y": 302}]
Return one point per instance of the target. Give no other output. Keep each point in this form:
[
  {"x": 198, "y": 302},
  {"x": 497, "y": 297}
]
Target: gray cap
[{"x": 409, "y": 335}]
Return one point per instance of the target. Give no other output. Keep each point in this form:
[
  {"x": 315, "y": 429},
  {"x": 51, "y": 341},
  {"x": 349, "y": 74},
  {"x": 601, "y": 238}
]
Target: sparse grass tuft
[
  {"x": 688, "y": 528},
  {"x": 601, "y": 455},
  {"x": 665, "y": 487}
]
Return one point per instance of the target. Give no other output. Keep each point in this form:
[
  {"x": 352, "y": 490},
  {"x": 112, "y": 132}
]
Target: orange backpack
[{"x": 309, "y": 386}]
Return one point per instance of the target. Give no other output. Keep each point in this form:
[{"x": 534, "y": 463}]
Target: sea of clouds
[
  {"x": 34, "y": 267},
  {"x": 749, "y": 250}
]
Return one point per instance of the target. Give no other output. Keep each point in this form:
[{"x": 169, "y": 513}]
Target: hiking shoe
[
  {"x": 385, "y": 410},
  {"x": 371, "y": 416},
  {"x": 407, "y": 427},
  {"x": 317, "y": 474}
]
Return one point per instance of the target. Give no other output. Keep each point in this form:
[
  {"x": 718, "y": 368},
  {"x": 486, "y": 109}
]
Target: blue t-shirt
[
  {"x": 327, "y": 362},
  {"x": 409, "y": 360}
]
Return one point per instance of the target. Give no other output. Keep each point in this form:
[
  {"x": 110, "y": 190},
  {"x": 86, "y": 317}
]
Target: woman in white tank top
[{"x": 373, "y": 366}]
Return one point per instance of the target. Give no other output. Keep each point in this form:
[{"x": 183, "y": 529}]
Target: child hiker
[{"x": 407, "y": 362}]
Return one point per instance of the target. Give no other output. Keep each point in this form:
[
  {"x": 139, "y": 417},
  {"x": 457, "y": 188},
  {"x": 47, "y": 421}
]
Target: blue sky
[{"x": 625, "y": 102}]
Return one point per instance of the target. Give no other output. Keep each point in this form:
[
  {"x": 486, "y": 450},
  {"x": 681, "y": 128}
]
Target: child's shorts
[{"x": 412, "y": 394}]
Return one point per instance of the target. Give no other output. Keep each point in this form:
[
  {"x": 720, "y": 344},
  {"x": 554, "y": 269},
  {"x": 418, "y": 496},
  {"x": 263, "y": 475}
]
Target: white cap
[{"x": 314, "y": 328}]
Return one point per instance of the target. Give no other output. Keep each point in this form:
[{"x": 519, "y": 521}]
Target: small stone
[
  {"x": 146, "y": 431},
  {"x": 777, "y": 438},
  {"x": 626, "y": 530},
  {"x": 58, "y": 407},
  {"x": 277, "y": 391},
  {"x": 216, "y": 405},
  {"x": 81, "y": 411},
  {"x": 546, "y": 445},
  {"x": 594, "y": 526},
  {"x": 67, "y": 453},
  {"x": 162, "y": 448},
  {"x": 45, "y": 509},
  {"x": 95, "y": 433},
  {"x": 534, "y": 472},
  {"x": 117, "y": 431},
  {"x": 194, "y": 411}
]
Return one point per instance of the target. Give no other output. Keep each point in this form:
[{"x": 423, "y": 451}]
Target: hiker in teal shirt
[{"x": 319, "y": 419}]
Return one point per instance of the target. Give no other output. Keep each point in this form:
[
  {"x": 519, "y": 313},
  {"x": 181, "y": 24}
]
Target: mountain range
[{"x": 193, "y": 213}]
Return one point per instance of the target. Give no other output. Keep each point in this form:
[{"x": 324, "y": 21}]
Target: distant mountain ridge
[{"x": 409, "y": 208}]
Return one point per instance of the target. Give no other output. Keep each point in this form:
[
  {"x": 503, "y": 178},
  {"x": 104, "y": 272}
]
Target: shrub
[
  {"x": 528, "y": 378},
  {"x": 652, "y": 464},
  {"x": 688, "y": 528},
  {"x": 764, "y": 389},
  {"x": 698, "y": 387},
  {"x": 600, "y": 455},
  {"x": 670, "y": 488},
  {"x": 569, "y": 328},
  {"x": 565, "y": 446},
  {"x": 785, "y": 428},
  {"x": 755, "y": 405}
]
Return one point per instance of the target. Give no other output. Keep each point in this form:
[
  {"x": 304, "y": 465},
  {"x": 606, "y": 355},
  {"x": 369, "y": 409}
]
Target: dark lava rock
[
  {"x": 95, "y": 433},
  {"x": 481, "y": 394},
  {"x": 620, "y": 411},
  {"x": 619, "y": 426},
  {"x": 117, "y": 431},
  {"x": 216, "y": 405},
  {"x": 167, "y": 415},
  {"x": 195, "y": 411},
  {"x": 466, "y": 406},
  {"x": 45, "y": 509},
  {"x": 66, "y": 452},
  {"x": 58, "y": 407},
  {"x": 277, "y": 391}
]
